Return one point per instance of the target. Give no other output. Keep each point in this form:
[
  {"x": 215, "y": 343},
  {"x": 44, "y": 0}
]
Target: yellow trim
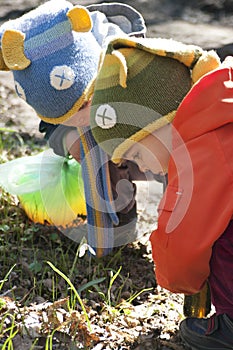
[
  {"x": 194, "y": 57},
  {"x": 141, "y": 134},
  {"x": 88, "y": 92},
  {"x": 186, "y": 54}
]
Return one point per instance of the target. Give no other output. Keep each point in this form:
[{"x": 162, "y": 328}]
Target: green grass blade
[{"x": 55, "y": 269}]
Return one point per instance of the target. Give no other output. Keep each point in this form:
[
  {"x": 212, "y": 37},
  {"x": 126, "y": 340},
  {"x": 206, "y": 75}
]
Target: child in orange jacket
[{"x": 169, "y": 108}]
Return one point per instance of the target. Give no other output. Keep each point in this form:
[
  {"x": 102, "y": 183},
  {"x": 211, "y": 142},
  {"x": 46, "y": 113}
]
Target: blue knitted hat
[{"x": 54, "y": 58}]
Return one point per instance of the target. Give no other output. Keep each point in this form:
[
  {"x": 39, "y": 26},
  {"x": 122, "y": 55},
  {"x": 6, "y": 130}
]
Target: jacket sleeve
[
  {"x": 55, "y": 134},
  {"x": 194, "y": 212}
]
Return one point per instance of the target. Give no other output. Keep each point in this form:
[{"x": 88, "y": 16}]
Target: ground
[{"x": 126, "y": 308}]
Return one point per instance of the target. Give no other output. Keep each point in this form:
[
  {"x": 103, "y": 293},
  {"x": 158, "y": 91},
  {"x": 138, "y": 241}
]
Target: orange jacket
[{"x": 198, "y": 203}]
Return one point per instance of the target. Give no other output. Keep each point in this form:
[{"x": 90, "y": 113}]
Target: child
[
  {"x": 107, "y": 18},
  {"x": 53, "y": 52},
  {"x": 145, "y": 109}
]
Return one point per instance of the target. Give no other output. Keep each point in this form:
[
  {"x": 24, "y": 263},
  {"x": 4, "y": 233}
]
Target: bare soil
[{"x": 151, "y": 320}]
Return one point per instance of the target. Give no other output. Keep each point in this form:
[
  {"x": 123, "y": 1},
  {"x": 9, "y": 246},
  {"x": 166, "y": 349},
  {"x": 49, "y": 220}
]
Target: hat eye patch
[
  {"x": 20, "y": 91},
  {"x": 62, "y": 77},
  {"x": 106, "y": 117}
]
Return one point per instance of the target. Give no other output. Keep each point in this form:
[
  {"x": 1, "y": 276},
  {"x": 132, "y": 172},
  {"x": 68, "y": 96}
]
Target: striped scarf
[{"x": 101, "y": 215}]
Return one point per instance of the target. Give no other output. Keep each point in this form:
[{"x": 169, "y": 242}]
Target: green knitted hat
[{"x": 140, "y": 84}]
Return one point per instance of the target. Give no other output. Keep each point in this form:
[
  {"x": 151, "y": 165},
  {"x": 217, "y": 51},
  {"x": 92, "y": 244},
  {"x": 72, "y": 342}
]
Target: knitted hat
[
  {"x": 53, "y": 52},
  {"x": 53, "y": 56},
  {"x": 139, "y": 87}
]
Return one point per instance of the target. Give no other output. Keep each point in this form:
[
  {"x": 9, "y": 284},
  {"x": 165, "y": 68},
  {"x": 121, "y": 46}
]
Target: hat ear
[
  {"x": 3, "y": 66},
  {"x": 80, "y": 19},
  {"x": 13, "y": 50},
  {"x": 207, "y": 62}
]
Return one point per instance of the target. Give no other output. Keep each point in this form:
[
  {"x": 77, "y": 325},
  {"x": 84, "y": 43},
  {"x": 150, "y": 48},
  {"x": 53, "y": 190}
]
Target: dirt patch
[{"x": 151, "y": 320}]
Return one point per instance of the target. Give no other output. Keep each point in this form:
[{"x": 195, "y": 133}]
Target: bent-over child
[{"x": 169, "y": 108}]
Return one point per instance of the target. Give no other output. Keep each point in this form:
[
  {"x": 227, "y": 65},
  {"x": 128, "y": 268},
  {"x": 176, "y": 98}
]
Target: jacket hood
[{"x": 208, "y": 105}]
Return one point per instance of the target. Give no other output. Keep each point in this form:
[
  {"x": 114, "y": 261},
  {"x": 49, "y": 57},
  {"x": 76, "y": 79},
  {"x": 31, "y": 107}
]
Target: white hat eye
[
  {"x": 20, "y": 91},
  {"x": 105, "y": 117},
  {"x": 62, "y": 77}
]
